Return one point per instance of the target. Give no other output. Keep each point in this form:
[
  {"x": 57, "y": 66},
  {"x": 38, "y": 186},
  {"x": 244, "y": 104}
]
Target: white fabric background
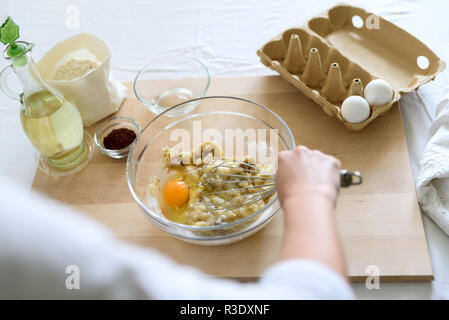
[{"x": 225, "y": 36}]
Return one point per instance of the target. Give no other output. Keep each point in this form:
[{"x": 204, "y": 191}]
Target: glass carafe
[{"x": 51, "y": 122}]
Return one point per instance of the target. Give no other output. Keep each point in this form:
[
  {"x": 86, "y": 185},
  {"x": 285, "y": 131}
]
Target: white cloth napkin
[{"x": 433, "y": 178}]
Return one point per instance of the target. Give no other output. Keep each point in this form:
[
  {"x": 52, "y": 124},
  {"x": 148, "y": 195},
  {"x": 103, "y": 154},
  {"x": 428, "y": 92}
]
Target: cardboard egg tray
[{"x": 338, "y": 52}]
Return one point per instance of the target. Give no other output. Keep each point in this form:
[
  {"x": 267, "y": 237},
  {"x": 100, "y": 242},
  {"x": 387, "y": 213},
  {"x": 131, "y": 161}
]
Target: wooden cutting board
[{"x": 379, "y": 222}]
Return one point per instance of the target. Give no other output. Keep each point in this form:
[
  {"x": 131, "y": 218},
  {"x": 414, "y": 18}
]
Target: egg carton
[{"x": 338, "y": 52}]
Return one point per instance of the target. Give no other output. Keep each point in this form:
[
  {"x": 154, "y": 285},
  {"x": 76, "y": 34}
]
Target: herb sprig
[{"x": 9, "y": 33}]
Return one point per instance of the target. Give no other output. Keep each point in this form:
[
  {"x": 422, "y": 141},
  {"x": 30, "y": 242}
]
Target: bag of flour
[{"x": 80, "y": 68}]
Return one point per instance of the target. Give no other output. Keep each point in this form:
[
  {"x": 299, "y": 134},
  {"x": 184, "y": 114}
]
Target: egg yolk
[{"x": 176, "y": 193}]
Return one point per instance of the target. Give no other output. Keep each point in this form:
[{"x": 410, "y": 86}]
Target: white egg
[
  {"x": 378, "y": 92},
  {"x": 355, "y": 109}
]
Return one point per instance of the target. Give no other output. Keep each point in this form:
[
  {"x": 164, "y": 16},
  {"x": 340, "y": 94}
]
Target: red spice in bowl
[{"x": 119, "y": 139}]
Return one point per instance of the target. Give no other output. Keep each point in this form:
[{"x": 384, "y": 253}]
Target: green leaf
[{"x": 9, "y": 32}]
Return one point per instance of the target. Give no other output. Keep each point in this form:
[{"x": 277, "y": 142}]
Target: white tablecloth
[{"x": 225, "y": 36}]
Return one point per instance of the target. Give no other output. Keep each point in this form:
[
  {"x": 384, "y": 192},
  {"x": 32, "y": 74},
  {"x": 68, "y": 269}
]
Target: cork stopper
[
  {"x": 294, "y": 60},
  {"x": 313, "y": 74},
  {"x": 334, "y": 89}
]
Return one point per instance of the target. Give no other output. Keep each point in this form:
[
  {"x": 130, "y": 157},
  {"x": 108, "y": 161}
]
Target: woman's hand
[
  {"x": 307, "y": 183},
  {"x": 308, "y": 172}
]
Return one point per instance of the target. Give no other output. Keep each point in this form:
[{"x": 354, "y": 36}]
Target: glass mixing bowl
[{"x": 214, "y": 118}]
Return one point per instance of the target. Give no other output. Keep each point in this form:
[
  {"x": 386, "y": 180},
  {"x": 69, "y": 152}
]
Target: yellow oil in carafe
[{"x": 54, "y": 127}]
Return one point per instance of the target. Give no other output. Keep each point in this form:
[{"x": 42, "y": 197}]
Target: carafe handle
[{"x": 4, "y": 85}]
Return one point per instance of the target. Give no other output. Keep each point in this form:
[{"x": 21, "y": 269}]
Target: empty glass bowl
[
  {"x": 105, "y": 127},
  {"x": 175, "y": 80},
  {"x": 214, "y": 119}
]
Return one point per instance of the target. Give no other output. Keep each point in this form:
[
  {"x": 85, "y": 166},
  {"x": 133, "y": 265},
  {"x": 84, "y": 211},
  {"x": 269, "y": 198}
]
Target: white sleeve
[
  {"x": 306, "y": 279},
  {"x": 40, "y": 239}
]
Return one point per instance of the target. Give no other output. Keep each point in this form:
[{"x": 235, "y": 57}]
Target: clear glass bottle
[{"x": 52, "y": 123}]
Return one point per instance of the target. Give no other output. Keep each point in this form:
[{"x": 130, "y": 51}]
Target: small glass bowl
[
  {"x": 107, "y": 126},
  {"x": 169, "y": 81}
]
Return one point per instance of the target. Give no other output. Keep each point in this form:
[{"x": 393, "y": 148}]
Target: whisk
[{"x": 233, "y": 177}]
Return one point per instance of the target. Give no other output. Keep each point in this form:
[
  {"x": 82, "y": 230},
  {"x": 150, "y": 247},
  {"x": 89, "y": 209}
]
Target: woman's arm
[
  {"x": 40, "y": 239},
  {"x": 308, "y": 182}
]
